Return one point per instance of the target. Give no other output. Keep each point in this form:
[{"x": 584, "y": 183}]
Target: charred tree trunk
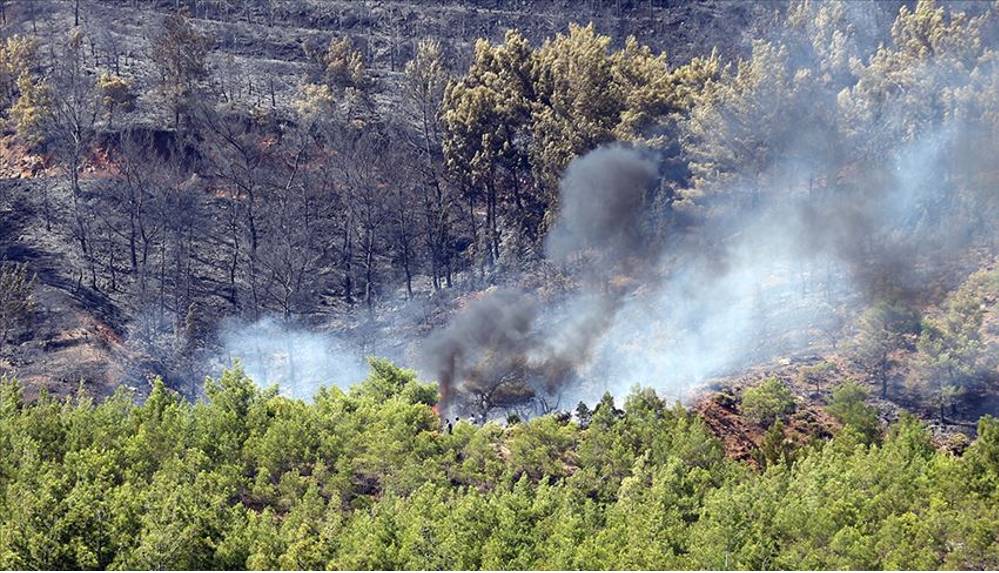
[
  {"x": 348, "y": 257},
  {"x": 369, "y": 249}
]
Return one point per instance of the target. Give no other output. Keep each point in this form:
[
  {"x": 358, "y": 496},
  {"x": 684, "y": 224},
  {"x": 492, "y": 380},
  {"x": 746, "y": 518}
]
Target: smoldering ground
[
  {"x": 778, "y": 278},
  {"x": 498, "y": 346},
  {"x": 296, "y": 359}
]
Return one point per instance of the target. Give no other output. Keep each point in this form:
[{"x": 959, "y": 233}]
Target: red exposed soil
[{"x": 738, "y": 437}]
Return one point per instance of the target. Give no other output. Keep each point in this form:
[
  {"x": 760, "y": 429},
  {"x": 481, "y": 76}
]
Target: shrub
[
  {"x": 848, "y": 405},
  {"x": 814, "y": 375},
  {"x": 767, "y": 402}
]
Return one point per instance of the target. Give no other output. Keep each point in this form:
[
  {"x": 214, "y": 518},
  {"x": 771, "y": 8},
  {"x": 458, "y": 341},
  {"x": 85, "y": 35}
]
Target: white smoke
[
  {"x": 297, "y": 360},
  {"x": 722, "y": 298},
  {"x": 757, "y": 283},
  {"x": 779, "y": 281}
]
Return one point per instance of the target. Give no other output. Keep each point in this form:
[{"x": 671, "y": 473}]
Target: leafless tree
[
  {"x": 16, "y": 298},
  {"x": 70, "y": 127}
]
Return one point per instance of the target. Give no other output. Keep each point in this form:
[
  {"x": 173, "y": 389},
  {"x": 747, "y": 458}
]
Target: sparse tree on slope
[
  {"x": 423, "y": 90},
  {"x": 16, "y": 298},
  {"x": 952, "y": 357},
  {"x": 180, "y": 53},
  {"x": 882, "y": 330}
]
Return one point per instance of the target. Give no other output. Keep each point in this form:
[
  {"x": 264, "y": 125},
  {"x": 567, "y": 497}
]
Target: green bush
[
  {"x": 768, "y": 401},
  {"x": 368, "y": 479},
  {"x": 848, "y": 405}
]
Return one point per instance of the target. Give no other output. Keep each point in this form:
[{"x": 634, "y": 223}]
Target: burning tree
[
  {"x": 491, "y": 357},
  {"x": 501, "y": 391},
  {"x": 477, "y": 353}
]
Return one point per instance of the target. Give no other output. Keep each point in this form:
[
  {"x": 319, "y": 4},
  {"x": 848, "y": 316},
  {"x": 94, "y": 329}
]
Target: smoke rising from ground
[
  {"x": 297, "y": 360},
  {"x": 813, "y": 221},
  {"x": 773, "y": 280},
  {"x": 733, "y": 292},
  {"x": 783, "y": 277},
  {"x": 495, "y": 349}
]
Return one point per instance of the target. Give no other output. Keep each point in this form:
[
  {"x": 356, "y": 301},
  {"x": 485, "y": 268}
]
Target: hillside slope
[{"x": 285, "y": 193}]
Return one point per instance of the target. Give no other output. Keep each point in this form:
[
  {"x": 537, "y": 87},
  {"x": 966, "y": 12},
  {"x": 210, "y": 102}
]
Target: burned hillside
[
  {"x": 531, "y": 205},
  {"x": 499, "y": 284}
]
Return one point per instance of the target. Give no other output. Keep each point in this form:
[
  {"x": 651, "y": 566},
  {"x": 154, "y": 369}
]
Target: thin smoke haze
[
  {"x": 783, "y": 249},
  {"x": 299, "y": 361}
]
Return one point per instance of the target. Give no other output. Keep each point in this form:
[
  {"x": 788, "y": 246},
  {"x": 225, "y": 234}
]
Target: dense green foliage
[
  {"x": 848, "y": 405},
  {"x": 767, "y": 401},
  {"x": 368, "y": 479}
]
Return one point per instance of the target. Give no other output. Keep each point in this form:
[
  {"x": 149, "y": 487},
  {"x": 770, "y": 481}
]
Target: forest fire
[
  {"x": 327, "y": 285},
  {"x": 499, "y": 352}
]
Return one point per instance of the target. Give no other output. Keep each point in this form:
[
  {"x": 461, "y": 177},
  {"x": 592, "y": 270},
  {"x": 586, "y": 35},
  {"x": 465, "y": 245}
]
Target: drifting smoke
[
  {"x": 602, "y": 206},
  {"x": 767, "y": 282},
  {"x": 496, "y": 349},
  {"x": 298, "y": 361},
  {"x": 737, "y": 290},
  {"x": 779, "y": 278},
  {"x": 786, "y": 253}
]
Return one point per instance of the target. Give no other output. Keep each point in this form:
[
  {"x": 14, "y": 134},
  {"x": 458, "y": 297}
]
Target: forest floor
[
  {"x": 75, "y": 336},
  {"x": 78, "y": 336}
]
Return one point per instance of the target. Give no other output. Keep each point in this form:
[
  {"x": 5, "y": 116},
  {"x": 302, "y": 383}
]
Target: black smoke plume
[
  {"x": 602, "y": 206},
  {"x": 495, "y": 352},
  {"x": 483, "y": 341}
]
